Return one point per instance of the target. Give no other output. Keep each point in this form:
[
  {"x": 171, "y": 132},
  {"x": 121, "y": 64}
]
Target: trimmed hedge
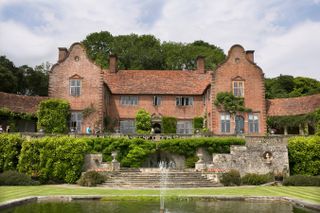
[
  {"x": 304, "y": 155},
  {"x": 256, "y": 179},
  {"x": 302, "y": 180},
  {"x": 14, "y": 178},
  {"x": 169, "y": 125},
  {"x": 57, "y": 159},
  {"x": 10, "y": 146}
]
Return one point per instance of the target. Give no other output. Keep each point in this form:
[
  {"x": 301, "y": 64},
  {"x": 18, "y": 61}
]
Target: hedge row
[
  {"x": 304, "y": 155},
  {"x": 10, "y": 146}
]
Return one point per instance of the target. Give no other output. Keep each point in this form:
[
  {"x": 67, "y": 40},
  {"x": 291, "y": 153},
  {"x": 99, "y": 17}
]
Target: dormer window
[
  {"x": 238, "y": 88},
  {"x": 75, "y": 87}
]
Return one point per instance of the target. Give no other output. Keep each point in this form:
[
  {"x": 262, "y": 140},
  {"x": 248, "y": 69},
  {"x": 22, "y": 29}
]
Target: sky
[{"x": 285, "y": 34}]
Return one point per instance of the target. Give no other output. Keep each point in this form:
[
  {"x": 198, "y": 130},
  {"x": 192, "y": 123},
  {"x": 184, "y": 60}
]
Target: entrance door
[
  {"x": 157, "y": 128},
  {"x": 239, "y": 124}
]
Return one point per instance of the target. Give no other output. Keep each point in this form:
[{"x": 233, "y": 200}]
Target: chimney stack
[
  {"x": 200, "y": 65},
  {"x": 113, "y": 63},
  {"x": 63, "y": 52},
  {"x": 250, "y": 55}
]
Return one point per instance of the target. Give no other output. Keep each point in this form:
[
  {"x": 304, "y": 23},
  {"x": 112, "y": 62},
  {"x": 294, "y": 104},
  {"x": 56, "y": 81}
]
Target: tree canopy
[
  {"x": 23, "y": 80},
  {"x": 147, "y": 52},
  {"x": 285, "y": 86}
]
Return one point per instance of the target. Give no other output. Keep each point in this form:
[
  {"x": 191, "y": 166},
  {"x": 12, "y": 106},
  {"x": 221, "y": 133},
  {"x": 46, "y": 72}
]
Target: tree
[
  {"x": 143, "y": 122},
  {"x": 8, "y": 80},
  {"x": 147, "y": 52}
]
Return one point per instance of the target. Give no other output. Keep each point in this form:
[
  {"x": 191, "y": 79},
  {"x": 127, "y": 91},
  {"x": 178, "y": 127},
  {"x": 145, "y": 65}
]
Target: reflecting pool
[{"x": 172, "y": 206}]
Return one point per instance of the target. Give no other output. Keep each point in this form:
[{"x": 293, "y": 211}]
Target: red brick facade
[{"x": 103, "y": 90}]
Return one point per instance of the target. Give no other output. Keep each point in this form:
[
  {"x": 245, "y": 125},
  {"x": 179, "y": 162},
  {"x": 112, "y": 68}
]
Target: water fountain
[{"x": 164, "y": 170}]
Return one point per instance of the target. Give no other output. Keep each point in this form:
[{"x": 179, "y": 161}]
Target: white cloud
[{"x": 253, "y": 24}]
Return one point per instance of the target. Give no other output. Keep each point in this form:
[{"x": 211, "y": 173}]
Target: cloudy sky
[{"x": 285, "y": 34}]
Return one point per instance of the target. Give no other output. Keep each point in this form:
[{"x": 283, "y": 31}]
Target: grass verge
[{"x": 308, "y": 194}]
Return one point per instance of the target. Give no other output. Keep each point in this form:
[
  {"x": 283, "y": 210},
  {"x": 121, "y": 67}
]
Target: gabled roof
[
  {"x": 293, "y": 106},
  {"x": 20, "y": 103},
  {"x": 162, "y": 82}
]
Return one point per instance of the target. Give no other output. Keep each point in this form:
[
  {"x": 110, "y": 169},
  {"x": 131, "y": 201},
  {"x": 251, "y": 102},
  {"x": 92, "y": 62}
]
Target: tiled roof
[
  {"x": 293, "y": 106},
  {"x": 165, "y": 82},
  {"x": 20, "y": 103}
]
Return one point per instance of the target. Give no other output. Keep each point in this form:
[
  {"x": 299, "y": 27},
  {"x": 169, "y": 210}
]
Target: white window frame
[
  {"x": 225, "y": 119},
  {"x": 184, "y": 127},
  {"x": 253, "y": 123},
  {"x": 156, "y": 100},
  {"x": 184, "y": 101},
  {"x": 129, "y": 100},
  {"x": 127, "y": 126},
  {"x": 76, "y": 119},
  {"x": 238, "y": 88},
  {"x": 75, "y": 87}
]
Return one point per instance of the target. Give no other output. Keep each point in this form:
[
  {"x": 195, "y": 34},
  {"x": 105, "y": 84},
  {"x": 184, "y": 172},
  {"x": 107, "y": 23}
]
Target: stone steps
[{"x": 175, "y": 179}]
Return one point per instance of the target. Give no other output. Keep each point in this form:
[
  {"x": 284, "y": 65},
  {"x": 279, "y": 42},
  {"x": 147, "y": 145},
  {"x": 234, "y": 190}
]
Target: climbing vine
[{"x": 227, "y": 102}]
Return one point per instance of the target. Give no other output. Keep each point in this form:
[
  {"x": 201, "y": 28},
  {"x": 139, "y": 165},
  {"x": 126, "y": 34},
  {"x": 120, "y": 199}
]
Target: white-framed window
[
  {"x": 184, "y": 101},
  {"x": 75, "y": 121},
  {"x": 253, "y": 121},
  {"x": 156, "y": 100},
  {"x": 127, "y": 127},
  {"x": 184, "y": 127},
  {"x": 225, "y": 122},
  {"x": 238, "y": 88},
  {"x": 129, "y": 100},
  {"x": 75, "y": 87}
]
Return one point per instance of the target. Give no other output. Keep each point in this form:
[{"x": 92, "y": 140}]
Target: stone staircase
[{"x": 134, "y": 178}]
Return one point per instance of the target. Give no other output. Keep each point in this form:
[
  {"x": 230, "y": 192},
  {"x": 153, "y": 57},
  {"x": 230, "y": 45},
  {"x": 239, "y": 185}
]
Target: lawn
[{"x": 308, "y": 194}]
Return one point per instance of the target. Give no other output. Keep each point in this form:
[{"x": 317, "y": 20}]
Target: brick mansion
[{"x": 183, "y": 94}]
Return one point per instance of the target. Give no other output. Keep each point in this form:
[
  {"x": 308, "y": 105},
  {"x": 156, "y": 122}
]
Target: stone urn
[{"x": 114, "y": 155}]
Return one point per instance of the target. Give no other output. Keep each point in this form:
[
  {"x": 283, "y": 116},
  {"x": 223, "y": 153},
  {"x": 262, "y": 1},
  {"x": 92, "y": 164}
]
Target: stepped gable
[
  {"x": 162, "y": 82},
  {"x": 293, "y": 106},
  {"x": 20, "y": 103}
]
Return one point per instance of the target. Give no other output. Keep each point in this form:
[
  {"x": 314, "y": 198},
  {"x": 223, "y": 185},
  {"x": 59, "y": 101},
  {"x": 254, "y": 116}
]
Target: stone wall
[{"x": 260, "y": 155}]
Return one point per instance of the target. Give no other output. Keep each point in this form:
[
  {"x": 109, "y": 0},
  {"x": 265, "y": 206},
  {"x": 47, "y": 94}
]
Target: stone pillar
[
  {"x": 301, "y": 130},
  {"x": 285, "y": 128},
  {"x": 306, "y": 128},
  {"x": 115, "y": 165},
  {"x": 200, "y": 164}
]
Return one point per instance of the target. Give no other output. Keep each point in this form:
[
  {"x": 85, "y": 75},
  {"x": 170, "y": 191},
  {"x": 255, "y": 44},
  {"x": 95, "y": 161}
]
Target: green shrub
[
  {"x": 53, "y": 159},
  {"x": 14, "y": 178},
  {"x": 169, "y": 125},
  {"x": 302, "y": 180},
  {"x": 191, "y": 161},
  {"x": 197, "y": 123},
  {"x": 304, "y": 155},
  {"x": 256, "y": 179},
  {"x": 10, "y": 146},
  {"x": 53, "y": 116},
  {"x": 231, "y": 178},
  {"x": 91, "y": 178},
  {"x": 143, "y": 122}
]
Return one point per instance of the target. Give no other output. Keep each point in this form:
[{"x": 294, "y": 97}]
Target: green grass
[{"x": 308, "y": 194}]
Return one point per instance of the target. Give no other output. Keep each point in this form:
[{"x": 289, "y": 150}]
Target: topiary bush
[
  {"x": 304, "y": 155},
  {"x": 169, "y": 125},
  {"x": 91, "y": 178},
  {"x": 53, "y": 116},
  {"x": 10, "y": 146},
  {"x": 231, "y": 178},
  {"x": 302, "y": 180},
  {"x": 143, "y": 122},
  {"x": 14, "y": 178},
  {"x": 256, "y": 179}
]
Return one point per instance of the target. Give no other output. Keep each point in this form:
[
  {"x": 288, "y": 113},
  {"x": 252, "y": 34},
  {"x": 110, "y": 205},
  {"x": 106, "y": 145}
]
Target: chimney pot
[
  {"x": 63, "y": 52},
  {"x": 250, "y": 55}
]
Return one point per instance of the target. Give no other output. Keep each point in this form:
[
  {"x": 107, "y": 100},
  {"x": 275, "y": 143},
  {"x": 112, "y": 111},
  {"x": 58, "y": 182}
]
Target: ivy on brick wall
[
  {"x": 169, "y": 125},
  {"x": 227, "y": 102},
  {"x": 53, "y": 116},
  {"x": 143, "y": 122}
]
